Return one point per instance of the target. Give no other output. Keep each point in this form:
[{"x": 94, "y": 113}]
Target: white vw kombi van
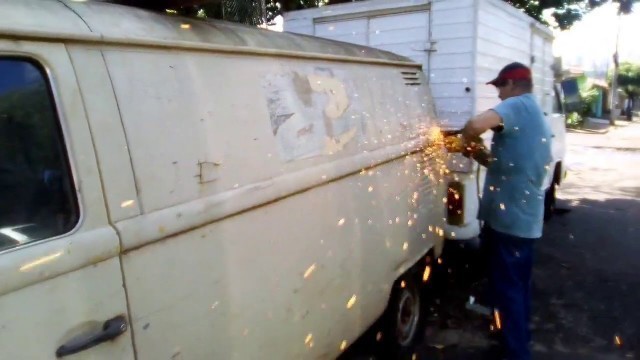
[{"x": 182, "y": 189}]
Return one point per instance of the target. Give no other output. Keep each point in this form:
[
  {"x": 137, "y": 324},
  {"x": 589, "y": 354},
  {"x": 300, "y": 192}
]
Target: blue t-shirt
[{"x": 513, "y": 196}]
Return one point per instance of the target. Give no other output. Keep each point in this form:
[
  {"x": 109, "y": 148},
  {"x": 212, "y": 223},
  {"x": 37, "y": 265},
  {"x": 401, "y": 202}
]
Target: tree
[
  {"x": 566, "y": 12},
  {"x": 625, "y": 8},
  {"x": 629, "y": 83}
]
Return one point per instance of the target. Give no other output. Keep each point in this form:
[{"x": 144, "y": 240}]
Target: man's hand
[
  {"x": 471, "y": 146},
  {"x": 475, "y": 149},
  {"x": 483, "y": 157}
]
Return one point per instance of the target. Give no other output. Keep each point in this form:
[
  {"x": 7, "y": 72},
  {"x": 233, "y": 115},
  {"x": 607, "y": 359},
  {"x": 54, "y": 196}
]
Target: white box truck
[{"x": 461, "y": 45}]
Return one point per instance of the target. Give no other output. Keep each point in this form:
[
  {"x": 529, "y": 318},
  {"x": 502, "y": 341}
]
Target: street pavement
[{"x": 586, "y": 293}]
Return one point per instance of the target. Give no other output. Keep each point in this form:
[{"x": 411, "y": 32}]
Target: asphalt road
[{"x": 586, "y": 299}]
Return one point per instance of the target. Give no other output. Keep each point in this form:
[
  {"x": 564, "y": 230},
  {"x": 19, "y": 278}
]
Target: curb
[{"x": 588, "y": 131}]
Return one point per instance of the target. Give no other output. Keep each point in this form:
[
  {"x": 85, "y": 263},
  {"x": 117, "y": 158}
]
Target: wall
[
  {"x": 451, "y": 70},
  {"x": 461, "y": 44},
  {"x": 505, "y": 35}
]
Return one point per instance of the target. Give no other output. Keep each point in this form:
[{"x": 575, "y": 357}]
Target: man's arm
[
  {"x": 471, "y": 135},
  {"x": 481, "y": 123}
]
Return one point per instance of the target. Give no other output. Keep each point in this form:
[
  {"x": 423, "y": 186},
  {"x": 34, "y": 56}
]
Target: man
[{"x": 512, "y": 204}]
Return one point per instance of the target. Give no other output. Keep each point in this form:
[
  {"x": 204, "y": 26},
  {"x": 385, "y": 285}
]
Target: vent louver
[{"x": 411, "y": 78}]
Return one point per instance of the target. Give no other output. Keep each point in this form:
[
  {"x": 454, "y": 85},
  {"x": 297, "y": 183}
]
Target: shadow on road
[
  {"x": 586, "y": 283},
  {"x": 586, "y": 301}
]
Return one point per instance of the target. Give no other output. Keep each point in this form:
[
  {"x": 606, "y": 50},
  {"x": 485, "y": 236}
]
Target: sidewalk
[
  {"x": 625, "y": 135},
  {"x": 592, "y": 126}
]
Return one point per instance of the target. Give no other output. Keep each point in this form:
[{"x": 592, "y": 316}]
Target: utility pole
[{"x": 614, "y": 80}]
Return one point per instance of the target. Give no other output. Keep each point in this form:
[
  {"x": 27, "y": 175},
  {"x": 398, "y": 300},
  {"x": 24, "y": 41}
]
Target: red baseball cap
[{"x": 513, "y": 71}]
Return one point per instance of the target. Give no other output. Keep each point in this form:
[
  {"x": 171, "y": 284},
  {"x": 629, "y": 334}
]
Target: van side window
[
  {"x": 557, "y": 101},
  {"x": 37, "y": 196}
]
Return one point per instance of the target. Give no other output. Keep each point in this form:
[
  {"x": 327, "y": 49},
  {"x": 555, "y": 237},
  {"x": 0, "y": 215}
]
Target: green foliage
[
  {"x": 629, "y": 79},
  {"x": 567, "y": 17},
  {"x": 588, "y": 100},
  {"x": 626, "y": 6},
  {"x": 566, "y": 12},
  {"x": 242, "y": 11},
  {"x": 574, "y": 120}
]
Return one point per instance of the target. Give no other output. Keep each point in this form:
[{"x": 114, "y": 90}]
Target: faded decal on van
[{"x": 311, "y": 112}]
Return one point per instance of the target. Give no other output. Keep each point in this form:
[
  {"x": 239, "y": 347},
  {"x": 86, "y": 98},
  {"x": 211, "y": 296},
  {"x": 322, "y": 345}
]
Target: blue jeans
[{"x": 509, "y": 264}]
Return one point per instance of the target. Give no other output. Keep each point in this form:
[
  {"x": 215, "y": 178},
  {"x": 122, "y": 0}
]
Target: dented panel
[
  {"x": 199, "y": 125},
  {"x": 240, "y": 161},
  {"x": 313, "y": 112}
]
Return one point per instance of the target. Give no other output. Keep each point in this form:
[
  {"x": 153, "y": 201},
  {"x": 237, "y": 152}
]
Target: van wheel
[
  {"x": 405, "y": 319},
  {"x": 550, "y": 201}
]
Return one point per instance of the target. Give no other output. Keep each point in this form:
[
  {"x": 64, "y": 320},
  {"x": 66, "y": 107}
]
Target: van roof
[{"x": 83, "y": 20}]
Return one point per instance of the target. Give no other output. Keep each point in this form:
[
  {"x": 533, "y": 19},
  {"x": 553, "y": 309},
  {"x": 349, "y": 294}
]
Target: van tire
[
  {"x": 550, "y": 201},
  {"x": 405, "y": 318}
]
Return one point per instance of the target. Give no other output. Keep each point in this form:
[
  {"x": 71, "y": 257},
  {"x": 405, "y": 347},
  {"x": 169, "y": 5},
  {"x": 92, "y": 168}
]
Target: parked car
[{"x": 222, "y": 192}]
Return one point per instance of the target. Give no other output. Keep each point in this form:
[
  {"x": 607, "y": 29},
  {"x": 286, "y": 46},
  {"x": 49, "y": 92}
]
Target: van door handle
[{"x": 110, "y": 330}]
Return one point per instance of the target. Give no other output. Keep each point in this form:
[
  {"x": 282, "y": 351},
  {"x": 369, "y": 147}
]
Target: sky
[
  {"x": 277, "y": 24},
  {"x": 590, "y": 43}
]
